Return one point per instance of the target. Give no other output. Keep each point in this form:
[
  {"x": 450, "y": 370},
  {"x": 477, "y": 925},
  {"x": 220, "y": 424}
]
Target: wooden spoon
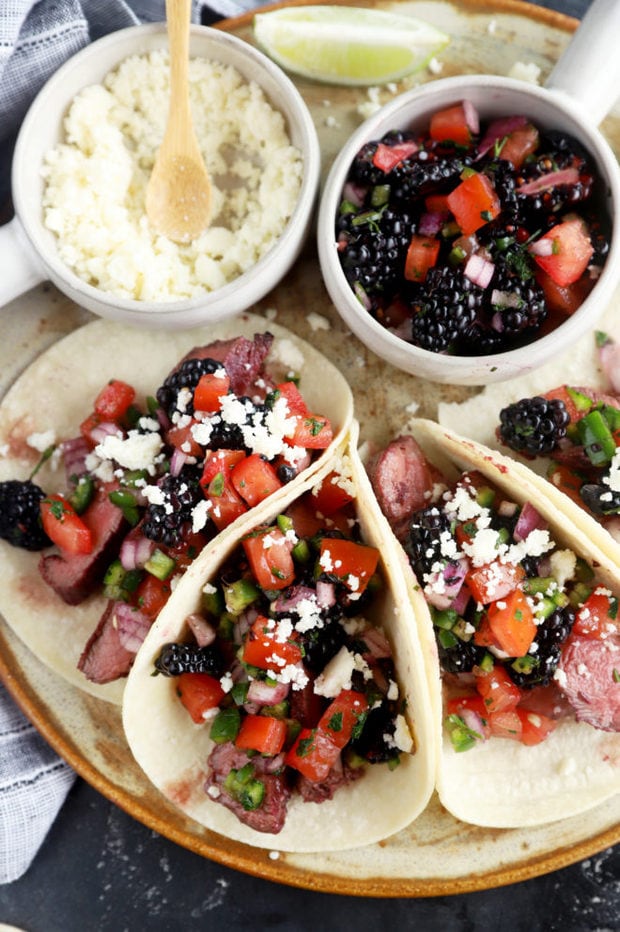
[{"x": 178, "y": 196}]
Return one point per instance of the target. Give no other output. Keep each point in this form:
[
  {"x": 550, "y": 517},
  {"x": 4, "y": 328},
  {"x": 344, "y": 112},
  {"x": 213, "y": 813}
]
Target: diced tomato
[
  {"x": 269, "y": 554},
  {"x": 182, "y": 439},
  {"x": 303, "y": 514},
  {"x": 342, "y": 715},
  {"x": 421, "y": 256},
  {"x": 535, "y": 727},
  {"x": 255, "y": 479},
  {"x": 474, "y": 203},
  {"x": 352, "y": 563},
  {"x": 451, "y": 124},
  {"x": 493, "y": 580},
  {"x": 572, "y": 251},
  {"x": 512, "y": 623},
  {"x": 506, "y": 725},
  {"x": 64, "y": 526},
  {"x": 331, "y": 496},
  {"x": 218, "y": 488},
  {"x": 484, "y": 636},
  {"x": 498, "y": 691},
  {"x": 564, "y": 299},
  {"x": 596, "y": 618},
  {"x": 576, "y": 403},
  {"x": 265, "y": 648},
  {"x": 520, "y": 143},
  {"x": 294, "y": 398},
  {"x": 312, "y": 431},
  {"x": 199, "y": 692},
  {"x": 262, "y": 733},
  {"x": 113, "y": 400},
  {"x": 313, "y": 754},
  {"x": 567, "y": 481},
  {"x": 388, "y": 157},
  {"x": 152, "y": 594},
  {"x": 188, "y": 548},
  {"x": 436, "y": 203},
  {"x": 210, "y": 389}
]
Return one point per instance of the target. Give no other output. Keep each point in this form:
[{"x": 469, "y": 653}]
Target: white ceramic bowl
[
  {"x": 551, "y": 107},
  {"x": 29, "y": 249}
]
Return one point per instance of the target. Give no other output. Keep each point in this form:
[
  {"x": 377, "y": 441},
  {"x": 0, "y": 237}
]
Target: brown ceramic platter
[{"x": 437, "y": 854}]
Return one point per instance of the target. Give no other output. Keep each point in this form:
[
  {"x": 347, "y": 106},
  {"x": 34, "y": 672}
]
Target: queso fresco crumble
[{"x": 95, "y": 181}]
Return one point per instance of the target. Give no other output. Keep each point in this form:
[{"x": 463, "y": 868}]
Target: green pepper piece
[
  {"x": 82, "y": 495},
  {"x": 127, "y": 504},
  {"x": 444, "y": 618},
  {"x": 239, "y": 595},
  {"x": 225, "y": 725},
  {"x": 461, "y": 736},
  {"x": 160, "y": 565}
]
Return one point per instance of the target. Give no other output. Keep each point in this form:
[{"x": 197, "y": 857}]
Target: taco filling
[
  {"x": 526, "y": 632},
  {"x": 296, "y": 688},
  {"x": 150, "y": 480}
]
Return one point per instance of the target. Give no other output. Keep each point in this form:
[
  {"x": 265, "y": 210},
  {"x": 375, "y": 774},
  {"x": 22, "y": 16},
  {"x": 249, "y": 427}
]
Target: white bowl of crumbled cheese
[{"x": 84, "y": 156}]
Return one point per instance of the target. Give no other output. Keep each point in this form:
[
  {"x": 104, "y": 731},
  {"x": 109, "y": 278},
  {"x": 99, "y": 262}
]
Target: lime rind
[{"x": 347, "y": 45}]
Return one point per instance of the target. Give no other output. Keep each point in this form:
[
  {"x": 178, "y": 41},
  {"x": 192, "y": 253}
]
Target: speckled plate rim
[{"x": 248, "y": 860}]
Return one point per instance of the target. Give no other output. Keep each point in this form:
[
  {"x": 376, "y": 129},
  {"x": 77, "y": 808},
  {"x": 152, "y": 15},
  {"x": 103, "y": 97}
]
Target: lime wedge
[{"x": 346, "y": 44}]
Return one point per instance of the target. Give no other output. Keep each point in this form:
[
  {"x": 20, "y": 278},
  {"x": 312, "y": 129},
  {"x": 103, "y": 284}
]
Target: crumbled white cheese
[
  {"x": 336, "y": 675},
  {"x": 41, "y": 441},
  {"x": 318, "y": 322},
  {"x": 135, "y": 451},
  {"x": 525, "y": 71}
]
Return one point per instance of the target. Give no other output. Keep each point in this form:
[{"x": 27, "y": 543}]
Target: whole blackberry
[
  {"x": 424, "y": 540},
  {"x": 461, "y": 657},
  {"x": 321, "y": 644},
  {"x": 175, "y": 659},
  {"x": 445, "y": 309},
  {"x": 187, "y": 375},
  {"x": 600, "y": 498},
  {"x": 550, "y": 636},
  {"x": 520, "y": 302},
  {"x": 419, "y": 175},
  {"x": 374, "y": 254},
  {"x": 534, "y": 426},
  {"x": 20, "y": 521},
  {"x": 375, "y": 741},
  {"x": 164, "y": 522}
]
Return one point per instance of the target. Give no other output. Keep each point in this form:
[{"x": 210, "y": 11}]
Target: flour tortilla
[
  {"x": 502, "y": 783},
  {"x": 173, "y": 751},
  {"x": 56, "y": 392}
]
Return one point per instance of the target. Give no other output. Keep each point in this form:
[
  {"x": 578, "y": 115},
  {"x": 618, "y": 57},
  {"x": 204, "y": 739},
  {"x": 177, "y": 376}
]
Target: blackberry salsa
[
  {"x": 298, "y": 689},
  {"x": 149, "y": 482},
  {"x": 472, "y": 239},
  {"x": 526, "y": 633}
]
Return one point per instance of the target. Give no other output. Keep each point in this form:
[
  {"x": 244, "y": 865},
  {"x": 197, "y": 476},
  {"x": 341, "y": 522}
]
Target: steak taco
[
  {"x": 522, "y": 603},
  {"x": 280, "y": 697},
  {"x": 124, "y": 457}
]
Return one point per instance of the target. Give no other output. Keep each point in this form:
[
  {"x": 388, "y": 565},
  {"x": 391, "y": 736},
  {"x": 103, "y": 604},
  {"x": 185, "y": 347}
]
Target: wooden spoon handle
[{"x": 178, "y": 15}]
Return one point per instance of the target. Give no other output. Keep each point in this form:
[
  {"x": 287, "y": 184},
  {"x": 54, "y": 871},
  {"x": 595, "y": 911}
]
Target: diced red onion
[
  {"x": 362, "y": 297},
  {"x": 479, "y": 270},
  {"x": 505, "y": 298},
  {"x": 497, "y": 322},
  {"x": 203, "y": 630},
  {"x": 105, "y": 429},
  {"x": 506, "y": 508},
  {"x": 177, "y": 461},
  {"x": 164, "y": 420},
  {"x": 432, "y": 221},
  {"x": 468, "y": 245},
  {"x": 136, "y": 550},
  {"x": 452, "y": 577},
  {"x": 132, "y": 626},
  {"x": 609, "y": 355},
  {"x": 354, "y": 193},
  {"x": 273, "y": 764},
  {"x": 74, "y": 453},
  {"x": 380, "y": 678},
  {"x": 472, "y": 117},
  {"x": 262, "y": 693},
  {"x": 295, "y": 595},
  {"x": 460, "y": 602},
  {"x": 325, "y": 593},
  {"x": 541, "y": 247},
  {"x": 252, "y": 708},
  {"x": 497, "y": 130},
  {"x": 529, "y": 520},
  {"x": 243, "y": 624},
  {"x": 376, "y": 642},
  {"x": 550, "y": 180},
  {"x": 473, "y": 721}
]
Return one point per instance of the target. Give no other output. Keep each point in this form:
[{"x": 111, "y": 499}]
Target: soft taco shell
[
  {"x": 56, "y": 392},
  {"x": 173, "y": 751},
  {"x": 502, "y": 783}
]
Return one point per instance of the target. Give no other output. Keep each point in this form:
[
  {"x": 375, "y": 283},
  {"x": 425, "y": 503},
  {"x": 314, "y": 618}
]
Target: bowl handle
[
  {"x": 21, "y": 269},
  {"x": 589, "y": 69}
]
